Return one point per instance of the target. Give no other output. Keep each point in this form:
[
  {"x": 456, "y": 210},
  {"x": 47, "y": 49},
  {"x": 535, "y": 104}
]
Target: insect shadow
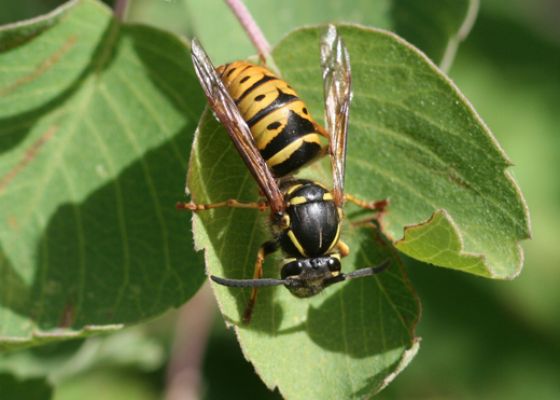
[{"x": 364, "y": 317}]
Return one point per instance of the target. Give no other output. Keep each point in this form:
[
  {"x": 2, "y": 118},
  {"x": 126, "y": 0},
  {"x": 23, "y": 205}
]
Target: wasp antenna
[
  {"x": 369, "y": 270},
  {"x": 360, "y": 273},
  {"x": 252, "y": 283}
]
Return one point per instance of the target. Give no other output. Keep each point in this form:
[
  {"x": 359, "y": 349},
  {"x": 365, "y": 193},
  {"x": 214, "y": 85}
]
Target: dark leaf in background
[
  {"x": 29, "y": 389},
  {"x": 435, "y": 26}
]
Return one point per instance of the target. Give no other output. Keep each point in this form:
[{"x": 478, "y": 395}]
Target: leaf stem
[
  {"x": 250, "y": 27},
  {"x": 184, "y": 375},
  {"x": 120, "y": 7}
]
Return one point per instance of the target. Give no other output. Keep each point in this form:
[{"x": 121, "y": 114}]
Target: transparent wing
[
  {"x": 337, "y": 86},
  {"x": 225, "y": 109}
]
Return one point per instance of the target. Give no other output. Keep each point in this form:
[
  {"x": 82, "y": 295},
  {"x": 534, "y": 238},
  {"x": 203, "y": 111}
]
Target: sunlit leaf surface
[{"x": 95, "y": 122}]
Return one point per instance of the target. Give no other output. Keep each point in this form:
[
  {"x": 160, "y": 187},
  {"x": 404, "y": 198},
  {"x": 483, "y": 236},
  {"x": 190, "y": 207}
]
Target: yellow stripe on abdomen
[{"x": 288, "y": 150}]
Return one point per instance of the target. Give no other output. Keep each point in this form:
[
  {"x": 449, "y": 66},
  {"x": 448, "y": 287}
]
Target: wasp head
[{"x": 305, "y": 277}]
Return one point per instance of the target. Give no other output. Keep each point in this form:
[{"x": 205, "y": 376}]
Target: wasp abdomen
[{"x": 284, "y": 132}]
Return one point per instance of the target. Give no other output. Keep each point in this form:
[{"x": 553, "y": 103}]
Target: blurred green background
[{"x": 480, "y": 338}]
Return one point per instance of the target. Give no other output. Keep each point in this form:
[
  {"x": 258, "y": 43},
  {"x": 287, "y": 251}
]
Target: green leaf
[
  {"x": 114, "y": 384},
  {"x": 435, "y": 26},
  {"x": 61, "y": 361},
  {"x": 95, "y": 118},
  {"x": 417, "y": 141},
  {"x": 29, "y": 389},
  {"x": 530, "y": 133},
  {"x": 352, "y": 336},
  {"x": 18, "y": 10},
  {"x": 355, "y": 336},
  {"x": 17, "y": 33},
  {"x": 413, "y": 139},
  {"x": 437, "y": 241}
]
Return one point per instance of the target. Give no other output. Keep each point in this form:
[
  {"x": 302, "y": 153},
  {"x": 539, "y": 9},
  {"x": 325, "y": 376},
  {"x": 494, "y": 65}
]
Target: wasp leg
[
  {"x": 325, "y": 149},
  {"x": 320, "y": 130},
  {"x": 259, "y": 205},
  {"x": 379, "y": 205},
  {"x": 343, "y": 248},
  {"x": 265, "y": 249}
]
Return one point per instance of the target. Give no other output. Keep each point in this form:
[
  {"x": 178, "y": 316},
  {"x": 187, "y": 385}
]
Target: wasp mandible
[{"x": 275, "y": 136}]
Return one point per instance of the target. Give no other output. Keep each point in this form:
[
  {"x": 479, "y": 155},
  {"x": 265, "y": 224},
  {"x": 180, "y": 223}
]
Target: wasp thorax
[
  {"x": 307, "y": 275},
  {"x": 310, "y": 226}
]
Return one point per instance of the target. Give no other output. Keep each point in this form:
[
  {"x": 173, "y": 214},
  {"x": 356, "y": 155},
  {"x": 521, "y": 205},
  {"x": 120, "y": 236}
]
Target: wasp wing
[
  {"x": 225, "y": 109},
  {"x": 337, "y": 87}
]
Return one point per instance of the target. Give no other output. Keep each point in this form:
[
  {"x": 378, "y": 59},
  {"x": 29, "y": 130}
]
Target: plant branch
[
  {"x": 184, "y": 376},
  {"x": 250, "y": 27},
  {"x": 120, "y": 8}
]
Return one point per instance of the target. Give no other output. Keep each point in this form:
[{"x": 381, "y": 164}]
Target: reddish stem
[
  {"x": 251, "y": 27},
  {"x": 120, "y": 8},
  {"x": 184, "y": 375}
]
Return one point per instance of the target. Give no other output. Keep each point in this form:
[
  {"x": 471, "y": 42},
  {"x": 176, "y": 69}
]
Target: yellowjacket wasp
[{"x": 275, "y": 136}]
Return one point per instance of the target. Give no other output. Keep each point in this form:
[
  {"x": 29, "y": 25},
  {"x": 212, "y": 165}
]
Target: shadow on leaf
[{"x": 370, "y": 315}]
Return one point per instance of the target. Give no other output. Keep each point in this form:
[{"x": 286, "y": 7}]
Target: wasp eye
[
  {"x": 334, "y": 264},
  {"x": 292, "y": 268}
]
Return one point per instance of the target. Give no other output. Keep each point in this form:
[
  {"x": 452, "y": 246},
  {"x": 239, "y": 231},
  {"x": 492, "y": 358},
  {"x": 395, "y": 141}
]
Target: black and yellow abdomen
[{"x": 284, "y": 132}]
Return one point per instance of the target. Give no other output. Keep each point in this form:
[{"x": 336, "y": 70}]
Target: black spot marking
[
  {"x": 305, "y": 111},
  {"x": 245, "y": 79},
  {"x": 273, "y": 126},
  {"x": 230, "y": 71},
  {"x": 253, "y": 87},
  {"x": 260, "y": 97},
  {"x": 281, "y": 101}
]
